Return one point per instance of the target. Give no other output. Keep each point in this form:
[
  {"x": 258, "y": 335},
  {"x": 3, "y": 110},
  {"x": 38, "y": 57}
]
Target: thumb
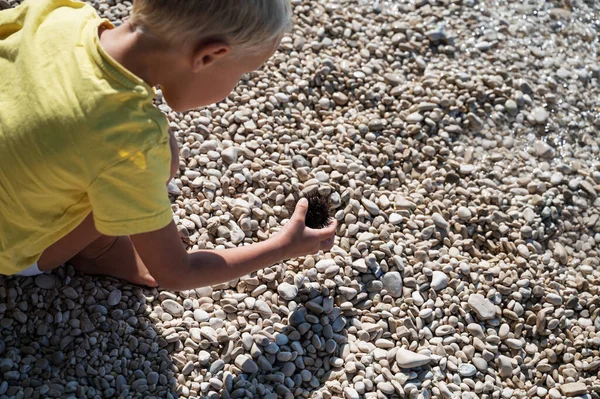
[{"x": 301, "y": 209}]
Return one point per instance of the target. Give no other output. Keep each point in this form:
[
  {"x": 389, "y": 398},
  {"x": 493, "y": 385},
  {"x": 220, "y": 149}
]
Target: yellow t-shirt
[{"x": 78, "y": 133}]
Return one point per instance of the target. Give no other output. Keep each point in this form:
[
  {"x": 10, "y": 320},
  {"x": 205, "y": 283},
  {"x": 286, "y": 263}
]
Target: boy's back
[{"x": 75, "y": 126}]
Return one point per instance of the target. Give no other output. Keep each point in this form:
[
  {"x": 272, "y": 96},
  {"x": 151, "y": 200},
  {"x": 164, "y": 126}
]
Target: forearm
[
  {"x": 208, "y": 267},
  {"x": 174, "y": 268}
]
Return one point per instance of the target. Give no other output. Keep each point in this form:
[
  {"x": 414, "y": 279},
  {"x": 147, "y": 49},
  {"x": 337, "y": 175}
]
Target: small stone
[
  {"x": 588, "y": 188},
  {"x": 428, "y": 150},
  {"x": 414, "y": 118},
  {"x": 403, "y": 203},
  {"x": 173, "y": 189},
  {"x": 46, "y": 281},
  {"x": 370, "y": 206},
  {"x": 540, "y": 115},
  {"x": 324, "y": 264},
  {"x": 114, "y": 297},
  {"x": 324, "y": 103},
  {"x": 287, "y": 291},
  {"x": 574, "y": 389},
  {"x": 504, "y": 331},
  {"x": 203, "y": 357},
  {"x": 511, "y": 107},
  {"x": 554, "y": 393},
  {"x": 187, "y": 369},
  {"x": 216, "y": 366},
  {"x": 505, "y": 366},
  {"x": 230, "y": 155},
  {"x": 282, "y": 98},
  {"x": 392, "y": 283},
  {"x": 439, "y": 280},
  {"x": 584, "y": 322},
  {"x": 528, "y": 215},
  {"x": 444, "y": 330},
  {"x": 466, "y": 169},
  {"x": 476, "y": 330},
  {"x": 236, "y": 236},
  {"x": 201, "y": 316},
  {"x": 523, "y": 251},
  {"x": 483, "y": 308},
  {"x": 559, "y": 13},
  {"x": 340, "y": 98},
  {"x": 263, "y": 308},
  {"x": 250, "y": 125},
  {"x": 65, "y": 342},
  {"x": 70, "y": 292},
  {"x": 298, "y": 161},
  {"x": 480, "y": 364},
  {"x": 467, "y": 370},
  {"x": 407, "y": 359},
  {"x": 543, "y": 149},
  {"x": 209, "y": 333},
  {"x": 152, "y": 378},
  {"x": 554, "y": 299},
  {"x": 350, "y": 393},
  {"x": 395, "y": 219},
  {"x": 281, "y": 339},
  {"x": 483, "y": 46},
  {"x": 556, "y": 179},
  {"x": 87, "y": 326},
  {"x": 360, "y": 265},
  {"x": 183, "y": 231},
  {"x": 375, "y": 125},
  {"x": 426, "y": 106},
  {"x": 20, "y": 316},
  {"x": 246, "y": 364},
  {"x": 386, "y": 387},
  {"x": 392, "y": 79},
  {"x": 439, "y": 221},
  {"x": 475, "y": 121},
  {"x": 436, "y": 35},
  {"x": 463, "y": 213},
  {"x": 172, "y": 307},
  {"x": 514, "y": 343},
  {"x": 195, "y": 334},
  {"x": 296, "y": 318},
  {"x": 339, "y": 324},
  {"x": 560, "y": 253}
]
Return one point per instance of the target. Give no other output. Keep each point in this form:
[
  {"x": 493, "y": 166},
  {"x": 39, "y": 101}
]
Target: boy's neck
[{"x": 133, "y": 51}]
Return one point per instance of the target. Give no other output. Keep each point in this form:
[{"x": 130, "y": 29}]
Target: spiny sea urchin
[{"x": 318, "y": 214}]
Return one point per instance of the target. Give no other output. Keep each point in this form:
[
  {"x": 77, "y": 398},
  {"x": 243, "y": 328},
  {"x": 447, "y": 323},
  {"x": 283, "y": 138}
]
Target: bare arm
[
  {"x": 174, "y": 155},
  {"x": 174, "y": 268}
]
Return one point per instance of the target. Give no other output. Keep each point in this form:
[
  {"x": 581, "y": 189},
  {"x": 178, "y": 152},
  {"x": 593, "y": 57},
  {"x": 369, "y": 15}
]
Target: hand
[{"x": 298, "y": 240}]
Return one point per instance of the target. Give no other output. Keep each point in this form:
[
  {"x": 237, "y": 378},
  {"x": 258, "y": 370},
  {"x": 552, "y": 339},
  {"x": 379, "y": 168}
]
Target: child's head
[{"x": 217, "y": 41}]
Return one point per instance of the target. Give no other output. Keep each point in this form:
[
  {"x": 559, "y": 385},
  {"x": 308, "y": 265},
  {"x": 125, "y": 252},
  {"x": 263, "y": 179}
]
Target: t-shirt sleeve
[{"x": 131, "y": 197}]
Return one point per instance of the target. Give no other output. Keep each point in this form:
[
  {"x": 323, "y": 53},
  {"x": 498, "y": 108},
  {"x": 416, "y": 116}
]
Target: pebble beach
[{"x": 458, "y": 142}]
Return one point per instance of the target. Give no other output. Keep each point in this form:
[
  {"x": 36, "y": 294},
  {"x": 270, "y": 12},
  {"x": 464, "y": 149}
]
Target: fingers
[
  {"x": 327, "y": 232},
  {"x": 301, "y": 209}
]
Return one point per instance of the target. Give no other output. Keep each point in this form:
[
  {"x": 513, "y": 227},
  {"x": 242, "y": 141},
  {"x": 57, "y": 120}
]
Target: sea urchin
[{"x": 317, "y": 216}]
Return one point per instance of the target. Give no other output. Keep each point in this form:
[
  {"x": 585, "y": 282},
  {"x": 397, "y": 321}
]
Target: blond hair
[{"x": 246, "y": 24}]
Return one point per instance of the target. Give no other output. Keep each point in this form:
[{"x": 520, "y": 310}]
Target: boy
[{"x": 84, "y": 155}]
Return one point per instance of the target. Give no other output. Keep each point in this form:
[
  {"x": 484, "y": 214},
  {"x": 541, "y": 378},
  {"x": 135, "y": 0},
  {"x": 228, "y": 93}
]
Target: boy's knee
[{"x": 70, "y": 245}]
